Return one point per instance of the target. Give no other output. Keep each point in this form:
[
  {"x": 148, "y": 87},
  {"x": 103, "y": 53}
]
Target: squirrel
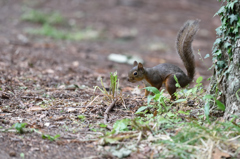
[{"x": 164, "y": 73}]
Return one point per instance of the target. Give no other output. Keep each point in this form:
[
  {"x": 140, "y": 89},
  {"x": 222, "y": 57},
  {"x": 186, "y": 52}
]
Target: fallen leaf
[
  {"x": 4, "y": 95},
  {"x": 75, "y": 63},
  {"x": 217, "y": 154},
  {"x": 59, "y": 118},
  {"x": 72, "y": 110},
  {"x": 71, "y": 87},
  {"x": 50, "y": 71},
  {"x": 35, "y": 108}
]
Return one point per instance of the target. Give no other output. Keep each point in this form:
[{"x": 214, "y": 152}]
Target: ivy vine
[{"x": 228, "y": 33}]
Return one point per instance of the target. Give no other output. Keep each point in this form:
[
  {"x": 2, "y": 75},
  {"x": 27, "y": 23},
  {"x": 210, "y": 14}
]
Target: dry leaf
[
  {"x": 217, "y": 154},
  {"x": 35, "y": 108}
]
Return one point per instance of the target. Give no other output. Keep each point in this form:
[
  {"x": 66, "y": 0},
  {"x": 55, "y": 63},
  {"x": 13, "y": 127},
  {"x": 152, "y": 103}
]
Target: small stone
[{"x": 12, "y": 154}]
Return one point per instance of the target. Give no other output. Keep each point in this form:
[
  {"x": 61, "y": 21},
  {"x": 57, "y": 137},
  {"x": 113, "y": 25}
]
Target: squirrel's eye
[{"x": 135, "y": 73}]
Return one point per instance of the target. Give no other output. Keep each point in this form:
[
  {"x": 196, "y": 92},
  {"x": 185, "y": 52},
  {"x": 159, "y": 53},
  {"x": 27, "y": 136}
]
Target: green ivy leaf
[
  {"x": 215, "y": 49},
  {"x": 218, "y": 52},
  {"x": 238, "y": 23},
  {"x": 226, "y": 45},
  {"x": 220, "y": 11},
  {"x": 229, "y": 52},
  {"x": 237, "y": 37},
  {"x": 224, "y": 22},
  {"x": 220, "y": 64},
  {"x": 231, "y": 5},
  {"x": 235, "y": 31},
  {"x": 217, "y": 41},
  {"x": 219, "y": 31},
  {"x": 233, "y": 18}
]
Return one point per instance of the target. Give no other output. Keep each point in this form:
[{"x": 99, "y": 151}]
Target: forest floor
[{"x": 54, "y": 53}]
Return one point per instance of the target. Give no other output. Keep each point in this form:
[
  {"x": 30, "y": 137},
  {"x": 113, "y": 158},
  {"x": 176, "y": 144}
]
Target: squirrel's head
[{"x": 137, "y": 73}]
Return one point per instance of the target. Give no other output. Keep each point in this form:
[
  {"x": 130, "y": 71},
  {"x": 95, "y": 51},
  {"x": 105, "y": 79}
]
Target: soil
[{"x": 47, "y": 83}]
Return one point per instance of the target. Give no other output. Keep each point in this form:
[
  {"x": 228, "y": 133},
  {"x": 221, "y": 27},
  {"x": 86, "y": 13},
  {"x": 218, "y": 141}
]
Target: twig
[
  {"x": 123, "y": 102},
  {"x": 30, "y": 97},
  {"x": 90, "y": 103},
  {"x": 139, "y": 137},
  {"x": 106, "y": 114},
  {"x": 210, "y": 149}
]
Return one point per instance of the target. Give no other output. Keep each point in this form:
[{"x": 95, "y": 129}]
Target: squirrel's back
[
  {"x": 166, "y": 69},
  {"x": 184, "y": 45}
]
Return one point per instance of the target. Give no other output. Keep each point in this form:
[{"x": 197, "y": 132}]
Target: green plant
[
  {"x": 159, "y": 99},
  {"x": 22, "y": 155},
  {"x": 174, "y": 137},
  {"x": 121, "y": 125},
  {"x": 49, "y": 137},
  {"x": 41, "y": 17},
  {"x": 101, "y": 125},
  {"x": 50, "y": 31},
  {"x": 189, "y": 92},
  {"x": 113, "y": 88},
  {"x": 81, "y": 117},
  {"x": 19, "y": 127},
  {"x": 198, "y": 87},
  {"x": 114, "y": 83},
  {"x": 237, "y": 95},
  {"x": 209, "y": 98}
]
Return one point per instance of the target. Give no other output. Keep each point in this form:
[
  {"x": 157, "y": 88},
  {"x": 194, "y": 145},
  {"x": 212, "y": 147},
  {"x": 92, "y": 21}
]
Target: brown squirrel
[{"x": 164, "y": 73}]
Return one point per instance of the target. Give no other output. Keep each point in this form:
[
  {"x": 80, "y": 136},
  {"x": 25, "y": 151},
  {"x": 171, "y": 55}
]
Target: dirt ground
[{"x": 36, "y": 69}]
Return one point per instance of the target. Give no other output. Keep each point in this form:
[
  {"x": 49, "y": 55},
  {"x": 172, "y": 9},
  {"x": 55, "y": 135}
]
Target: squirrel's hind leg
[{"x": 170, "y": 85}]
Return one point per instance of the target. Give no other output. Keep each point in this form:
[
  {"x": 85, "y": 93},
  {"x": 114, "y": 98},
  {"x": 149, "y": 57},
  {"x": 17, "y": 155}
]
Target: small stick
[
  {"x": 90, "y": 103},
  {"x": 106, "y": 114}
]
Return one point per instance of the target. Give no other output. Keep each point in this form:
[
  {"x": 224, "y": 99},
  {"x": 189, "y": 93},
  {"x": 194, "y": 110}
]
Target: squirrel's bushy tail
[{"x": 184, "y": 45}]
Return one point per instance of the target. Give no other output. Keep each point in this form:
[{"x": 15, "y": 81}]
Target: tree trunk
[
  {"x": 225, "y": 83},
  {"x": 230, "y": 85}
]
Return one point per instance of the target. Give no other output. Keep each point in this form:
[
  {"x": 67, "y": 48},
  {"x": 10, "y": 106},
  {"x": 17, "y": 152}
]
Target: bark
[{"x": 229, "y": 83}]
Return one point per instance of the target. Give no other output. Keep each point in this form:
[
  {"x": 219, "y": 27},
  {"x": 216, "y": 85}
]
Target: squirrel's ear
[
  {"x": 135, "y": 63},
  {"x": 140, "y": 66}
]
